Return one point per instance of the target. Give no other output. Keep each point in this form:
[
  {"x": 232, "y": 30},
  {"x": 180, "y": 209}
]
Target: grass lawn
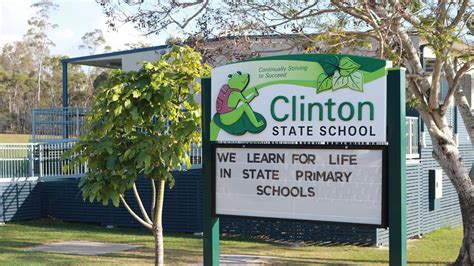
[
  {"x": 439, "y": 247},
  {"x": 14, "y": 138}
]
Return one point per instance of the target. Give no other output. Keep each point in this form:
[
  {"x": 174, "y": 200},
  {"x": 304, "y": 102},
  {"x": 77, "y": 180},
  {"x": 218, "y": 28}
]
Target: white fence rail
[
  {"x": 33, "y": 161},
  {"x": 17, "y": 161},
  {"x": 54, "y": 163}
]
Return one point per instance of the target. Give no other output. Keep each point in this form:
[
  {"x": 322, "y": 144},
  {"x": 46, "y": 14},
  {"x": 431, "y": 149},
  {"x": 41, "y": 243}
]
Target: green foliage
[
  {"x": 413, "y": 102},
  {"x": 142, "y": 122}
]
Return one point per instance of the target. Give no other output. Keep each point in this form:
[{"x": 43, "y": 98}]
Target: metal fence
[
  {"x": 54, "y": 131},
  {"x": 58, "y": 124},
  {"x": 196, "y": 155},
  {"x": 17, "y": 161},
  {"x": 32, "y": 161},
  {"x": 54, "y": 163}
]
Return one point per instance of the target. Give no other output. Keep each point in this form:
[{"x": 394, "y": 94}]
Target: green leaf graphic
[
  {"x": 339, "y": 81},
  {"x": 347, "y": 66},
  {"x": 324, "y": 83},
  {"x": 356, "y": 81},
  {"x": 329, "y": 65}
]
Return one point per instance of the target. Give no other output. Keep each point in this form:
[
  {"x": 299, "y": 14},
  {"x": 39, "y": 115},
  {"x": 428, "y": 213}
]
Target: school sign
[
  {"x": 323, "y": 98},
  {"x": 305, "y": 137}
]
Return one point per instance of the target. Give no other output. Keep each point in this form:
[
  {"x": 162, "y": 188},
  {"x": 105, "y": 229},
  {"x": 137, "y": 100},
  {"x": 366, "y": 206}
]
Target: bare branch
[
  {"x": 189, "y": 19},
  {"x": 140, "y": 203},
  {"x": 435, "y": 84},
  {"x": 459, "y": 15},
  {"x": 453, "y": 81},
  {"x": 466, "y": 113},
  {"x": 153, "y": 195},
  {"x": 442, "y": 13},
  {"x": 415, "y": 90},
  {"x": 353, "y": 12},
  {"x": 413, "y": 58},
  {"x": 408, "y": 16},
  {"x": 140, "y": 220}
]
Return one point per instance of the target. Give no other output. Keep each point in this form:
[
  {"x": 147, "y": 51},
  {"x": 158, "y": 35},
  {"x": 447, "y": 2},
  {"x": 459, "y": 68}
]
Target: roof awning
[
  {"x": 106, "y": 62},
  {"x": 127, "y": 60}
]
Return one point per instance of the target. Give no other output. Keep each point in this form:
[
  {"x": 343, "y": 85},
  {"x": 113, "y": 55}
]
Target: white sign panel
[
  {"x": 330, "y": 99},
  {"x": 334, "y": 185}
]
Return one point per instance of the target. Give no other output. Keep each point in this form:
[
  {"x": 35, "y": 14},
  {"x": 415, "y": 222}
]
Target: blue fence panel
[
  {"x": 62, "y": 199},
  {"x": 20, "y": 201}
]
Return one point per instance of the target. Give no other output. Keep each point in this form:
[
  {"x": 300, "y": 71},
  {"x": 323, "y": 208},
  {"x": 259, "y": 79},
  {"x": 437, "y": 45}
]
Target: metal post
[
  {"x": 33, "y": 127},
  {"x": 210, "y": 224},
  {"x": 65, "y": 88},
  {"x": 31, "y": 159},
  {"x": 40, "y": 161},
  {"x": 65, "y": 100},
  {"x": 77, "y": 123},
  {"x": 396, "y": 166}
]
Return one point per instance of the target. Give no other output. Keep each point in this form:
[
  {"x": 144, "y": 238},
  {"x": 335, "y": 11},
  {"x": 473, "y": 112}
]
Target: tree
[
  {"x": 142, "y": 123},
  {"x": 91, "y": 42},
  {"x": 37, "y": 38},
  {"x": 18, "y": 78},
  {"x": 393, "y": 29}
]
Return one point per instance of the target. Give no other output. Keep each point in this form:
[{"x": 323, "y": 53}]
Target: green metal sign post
[
  {"x": 396, "y": 166},
  {"x": 210, "y": 224}
]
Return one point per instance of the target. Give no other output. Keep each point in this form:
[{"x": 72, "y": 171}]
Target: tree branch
[
  {"x": 415, "y": 90},
  {"x": 459, "y": 15},
  {"x": 140, "y": 220},
  {"x": 413, "y": 59},
  {"x": 453, "y": 82},
  {"x": 140, "y": 203},
  {"x": 460, "y": 97},
  {"x": 153, "y": 197},
  {"x": 409, "y": 17},
  {"x": 435, "y": 84},
  {"x": 189, "y": 19}
]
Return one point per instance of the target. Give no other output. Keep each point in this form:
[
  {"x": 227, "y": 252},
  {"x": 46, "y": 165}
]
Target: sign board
[
  {"x": 303, "y": 183},
  {"x": 317, "y": 98}
]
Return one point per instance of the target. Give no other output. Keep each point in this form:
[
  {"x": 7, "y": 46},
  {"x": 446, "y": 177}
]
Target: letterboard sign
[{"x": 291, "y": 182}]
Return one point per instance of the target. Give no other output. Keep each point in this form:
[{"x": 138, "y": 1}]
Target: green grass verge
[
  {"x": 14, "y": 138},
  {"x": 439, "y": 247}
]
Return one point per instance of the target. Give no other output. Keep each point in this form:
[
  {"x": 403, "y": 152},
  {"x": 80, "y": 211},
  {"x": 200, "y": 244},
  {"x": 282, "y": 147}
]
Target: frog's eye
[
  {"x": 238, "y": 72},
  {"x": 229, "y": 76}
]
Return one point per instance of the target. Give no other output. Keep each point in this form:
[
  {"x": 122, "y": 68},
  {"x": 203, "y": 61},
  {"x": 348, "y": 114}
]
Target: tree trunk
[
  {"x": 158, "y": 234},
  {"x": 466, "y": 252},
  {"x": 450, "y": 160},
  {"x": 40, "y": 71},
  {"x": 158, "y": 224}
]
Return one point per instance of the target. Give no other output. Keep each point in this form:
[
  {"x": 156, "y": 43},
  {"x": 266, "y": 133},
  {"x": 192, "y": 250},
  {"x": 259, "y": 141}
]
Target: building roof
[{"x": 109, "y": 60}]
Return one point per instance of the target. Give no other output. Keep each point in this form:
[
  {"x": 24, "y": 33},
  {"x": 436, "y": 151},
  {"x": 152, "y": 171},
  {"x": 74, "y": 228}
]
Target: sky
[{"x": 74, "y": 18}]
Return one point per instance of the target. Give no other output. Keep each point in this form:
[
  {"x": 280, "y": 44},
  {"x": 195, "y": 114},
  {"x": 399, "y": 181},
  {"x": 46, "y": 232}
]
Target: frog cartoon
[{"x": 234, "y": 114}]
